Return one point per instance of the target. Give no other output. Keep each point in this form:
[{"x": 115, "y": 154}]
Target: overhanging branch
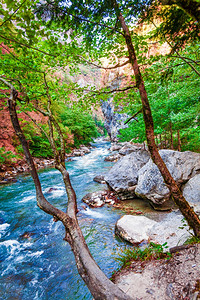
[
  {"x": 105, "y": 68},
  {"x": 112, "y": 91},
  {"x": 133, "y": 117},
  {"x": 25, "y": 45}
]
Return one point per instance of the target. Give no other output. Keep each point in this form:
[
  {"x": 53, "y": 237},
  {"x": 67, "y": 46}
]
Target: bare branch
[
  {"x": 112, "y": 91},
  {"x": 179, "y": 56},
  {"x": 40, "y": 127},
  {"x": 52, "y": 118},
  {"x": 188, "y": 58},
  {"x": 187, "y": 62},
  {"x": 133, "y": 117},
  {"x": 105, "y": 68}
]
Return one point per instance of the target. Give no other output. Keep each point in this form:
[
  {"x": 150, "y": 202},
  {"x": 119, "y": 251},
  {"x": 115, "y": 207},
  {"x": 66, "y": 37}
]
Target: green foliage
[
  {"x": 192, "y": 240},
  {"x": 152, "y": 251},
  {"x": 135, "y": 132},
  {"x": 100, "y": 124},
  {"x": 173, "y": 92},
  {"x": 178, "y": 26},
  {"x": 80, "y": 123},
  {"x": 42, "y": 46},
  {"x": 38, "y": 142},
  {"x": 6, "y": 156},
  {"x": 30, "y": 50}
]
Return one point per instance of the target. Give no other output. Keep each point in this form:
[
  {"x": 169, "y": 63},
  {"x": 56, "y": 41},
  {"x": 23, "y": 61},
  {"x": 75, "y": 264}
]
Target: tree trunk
[
  {"x": 160, "y": 136},
  {"x": 165, "y": 139},
  {"x": 179, "y": 140},
  {"x": 177, "y": 196},
  {"x": 171, "y": 136},
  {"x": 99, "y": 285}
]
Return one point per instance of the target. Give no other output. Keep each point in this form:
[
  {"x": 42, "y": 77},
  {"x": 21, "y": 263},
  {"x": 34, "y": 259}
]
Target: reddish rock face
[
  {"x": 6, "y": 130},
  {"x": 8, "y": 138},
  {"x": 7, "y": 134}
]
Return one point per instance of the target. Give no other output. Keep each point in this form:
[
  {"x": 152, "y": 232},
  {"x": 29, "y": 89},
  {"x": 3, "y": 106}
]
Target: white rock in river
[{"x": 134, "y": 229}]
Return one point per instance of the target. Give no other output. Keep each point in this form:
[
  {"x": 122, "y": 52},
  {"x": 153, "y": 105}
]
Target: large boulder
[
  {"x": 172, "y": 229},
  {"x": 123, "y": 176},
  {"x": 191, "y": 192},
  {"x": 136, "y": 229},
  {"x": 181, "y": 165}
]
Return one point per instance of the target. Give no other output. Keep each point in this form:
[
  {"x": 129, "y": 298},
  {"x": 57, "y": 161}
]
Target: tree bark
[
  {"x": 179, "y": 140},
  {"x": 160, "y": 136},
  {"x": 99, "y": 285},
  {"x": 177, "y": 196},
  {"x": 165, "y": 139},
  {"x": 171, "y": 136}
]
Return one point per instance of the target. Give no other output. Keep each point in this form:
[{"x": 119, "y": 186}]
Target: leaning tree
[{"x": 103, "y": 25}]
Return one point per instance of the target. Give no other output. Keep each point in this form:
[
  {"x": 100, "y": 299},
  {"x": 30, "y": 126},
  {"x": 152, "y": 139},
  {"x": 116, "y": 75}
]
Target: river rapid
[{"x": 35, "y": 261}]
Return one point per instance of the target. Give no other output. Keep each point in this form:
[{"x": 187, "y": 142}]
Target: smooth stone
[
  {"x": 134, "y": 229},
  {"x": 129, "y": 148},
  {"x": 115, "y": 147}
]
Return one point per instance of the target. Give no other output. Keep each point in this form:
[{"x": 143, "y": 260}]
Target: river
[{"x": 35, "y": 261}]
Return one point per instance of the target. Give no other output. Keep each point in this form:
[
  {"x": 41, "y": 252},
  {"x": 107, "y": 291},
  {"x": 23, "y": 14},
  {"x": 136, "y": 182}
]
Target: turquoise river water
[{"x": 35, "y": 261}]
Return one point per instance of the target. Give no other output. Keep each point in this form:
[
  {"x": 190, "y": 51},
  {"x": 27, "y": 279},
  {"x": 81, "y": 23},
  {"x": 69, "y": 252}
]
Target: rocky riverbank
[
  {"x": 134, "y": 175},
  {"x": 175, "y": 279},
  {"x": 9, "y": 172}
]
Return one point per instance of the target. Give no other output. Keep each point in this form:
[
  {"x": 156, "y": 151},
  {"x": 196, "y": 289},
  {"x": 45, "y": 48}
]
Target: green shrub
[
  {"x": 81, "y": 125},
  {"x": 152, "y": 251},
  {"x": 38, "y": 143},
  {"x": 6, "y": 156}
]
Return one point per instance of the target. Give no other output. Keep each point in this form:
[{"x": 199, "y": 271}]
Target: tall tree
[{"x": 101, "y": 23}]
